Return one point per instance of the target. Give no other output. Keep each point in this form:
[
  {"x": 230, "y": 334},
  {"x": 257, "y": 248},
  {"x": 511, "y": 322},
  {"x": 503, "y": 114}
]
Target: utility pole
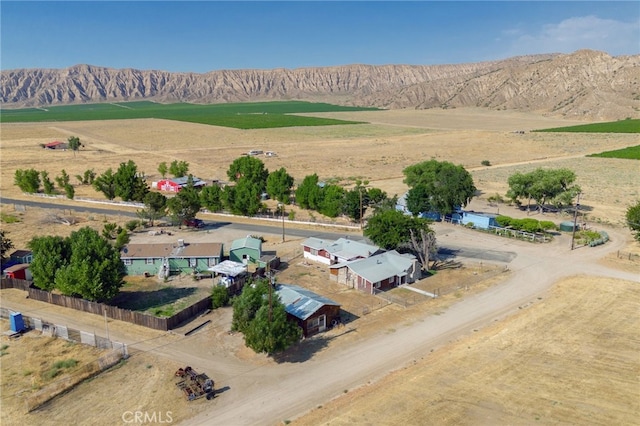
[
  {"x": 360, "y": 191},
  {"x": 270, "y": 289},
  {"x": 281, "y": 205},
  {"x": 575, "y": 221}
]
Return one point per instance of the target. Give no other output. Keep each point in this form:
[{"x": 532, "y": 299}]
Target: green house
[
  {"x": 246, "y": 250},
  {"x": 164, "y": 259}
]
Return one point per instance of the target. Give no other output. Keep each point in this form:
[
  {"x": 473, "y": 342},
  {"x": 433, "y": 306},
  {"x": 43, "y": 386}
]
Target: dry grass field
[
  {"x": 377, "y": 152},
  {"x": 570, "y": 358}
]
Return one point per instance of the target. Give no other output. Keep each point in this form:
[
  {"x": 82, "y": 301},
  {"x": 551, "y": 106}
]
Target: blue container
[{"x": 17, "y": 323}]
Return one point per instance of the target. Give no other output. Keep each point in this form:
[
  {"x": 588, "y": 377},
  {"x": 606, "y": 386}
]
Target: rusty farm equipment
[{"x": 194, "y": 385}]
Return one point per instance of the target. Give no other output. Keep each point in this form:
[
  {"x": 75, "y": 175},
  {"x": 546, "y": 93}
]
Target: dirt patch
[{"x": 514, "y": 372}]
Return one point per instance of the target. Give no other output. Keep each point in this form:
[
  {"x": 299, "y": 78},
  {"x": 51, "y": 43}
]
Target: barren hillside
[{"x": 585, "y": 85}]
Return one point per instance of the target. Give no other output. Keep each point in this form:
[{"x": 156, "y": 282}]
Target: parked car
[{"x": 193, "y": 223}]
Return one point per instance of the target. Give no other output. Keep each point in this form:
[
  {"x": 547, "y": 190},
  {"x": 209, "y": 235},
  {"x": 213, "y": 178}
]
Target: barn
[{"x": 176, "y": 184}]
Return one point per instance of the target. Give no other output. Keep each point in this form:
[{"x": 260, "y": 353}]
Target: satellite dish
[{"x": 125, "y": 250}]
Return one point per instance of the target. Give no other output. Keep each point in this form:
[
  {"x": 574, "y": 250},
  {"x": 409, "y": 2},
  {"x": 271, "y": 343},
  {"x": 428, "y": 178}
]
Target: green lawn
[
  {"x": 620, "y": 126},
  {"x": 255, "y": 115},
  {"x": 629, "y": 153}
]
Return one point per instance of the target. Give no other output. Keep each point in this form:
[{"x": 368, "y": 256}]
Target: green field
[
  {"x": 255, "y": 115},
  {"x": 628, "y": 153},
  {"x": 620, "y": 126}
]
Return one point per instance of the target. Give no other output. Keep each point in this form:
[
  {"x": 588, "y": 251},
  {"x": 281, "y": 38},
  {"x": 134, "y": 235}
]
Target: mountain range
[{"x": 586, "y": 84}]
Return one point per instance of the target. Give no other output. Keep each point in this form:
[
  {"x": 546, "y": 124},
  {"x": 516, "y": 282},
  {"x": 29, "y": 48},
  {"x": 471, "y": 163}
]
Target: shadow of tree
[
  {"x": 305, "y": 350},
  {"x": 143, "y": 300}
]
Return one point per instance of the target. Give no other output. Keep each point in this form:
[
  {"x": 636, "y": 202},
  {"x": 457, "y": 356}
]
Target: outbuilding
[
  {"x": 19, "y": 272},
  {"x": 313, "y": 313},
  {"x": 246, "y": 250}
]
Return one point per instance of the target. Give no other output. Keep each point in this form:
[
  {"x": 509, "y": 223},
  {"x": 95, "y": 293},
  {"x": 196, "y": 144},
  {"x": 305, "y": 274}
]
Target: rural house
[
  {"x": 164, "y": 259},
  {"x": 377, "y": 273},
  {"x": 314, "y": 313},
  {"x": 246, "y": 250},
  {"x": 340, "y": 250},
  {"x": 176, "y": 184}
]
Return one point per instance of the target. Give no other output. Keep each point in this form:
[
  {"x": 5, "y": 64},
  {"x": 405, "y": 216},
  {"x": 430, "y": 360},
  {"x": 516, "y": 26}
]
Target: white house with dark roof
[
  {"x": 313, "y": 312},
  {"x": 341, "y": 250},
  {"x": 380, "y": 272}
]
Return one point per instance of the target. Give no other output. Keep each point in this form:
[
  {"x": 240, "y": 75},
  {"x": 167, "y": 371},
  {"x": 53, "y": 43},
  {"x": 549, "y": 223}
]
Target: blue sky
[{"x": 204, "y": 36}]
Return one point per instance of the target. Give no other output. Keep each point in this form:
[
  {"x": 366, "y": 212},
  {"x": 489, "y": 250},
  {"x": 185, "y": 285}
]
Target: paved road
[{"x": 447, "y": 250}]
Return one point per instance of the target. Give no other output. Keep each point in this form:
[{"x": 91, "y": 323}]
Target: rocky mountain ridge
[{"x": 586, "y": 85}]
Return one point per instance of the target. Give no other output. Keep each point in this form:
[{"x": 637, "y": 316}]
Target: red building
[
  {"x": 176, "y": 184},
  {"x": 20, "y": 272}
]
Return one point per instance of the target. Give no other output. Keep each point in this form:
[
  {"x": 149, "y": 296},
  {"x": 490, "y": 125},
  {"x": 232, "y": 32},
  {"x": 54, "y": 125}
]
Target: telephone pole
[{"x": 575, "y": 221}]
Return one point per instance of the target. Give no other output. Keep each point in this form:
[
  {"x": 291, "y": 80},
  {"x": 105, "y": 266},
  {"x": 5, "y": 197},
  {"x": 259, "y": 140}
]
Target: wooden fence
[{"x": 113, "y": 312}]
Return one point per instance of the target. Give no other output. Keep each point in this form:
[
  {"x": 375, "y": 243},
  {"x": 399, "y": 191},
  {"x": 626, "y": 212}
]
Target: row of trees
[
  {"x": 31, "y": 180},
  {"x": 83, "y": 265}
]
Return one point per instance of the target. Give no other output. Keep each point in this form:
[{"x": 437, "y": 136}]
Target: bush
[
  {"x": 219, "y": 296},
  {"x": 486, "y": 163}
]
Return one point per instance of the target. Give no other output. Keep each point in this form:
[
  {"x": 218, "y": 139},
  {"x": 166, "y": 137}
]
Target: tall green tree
[
  {"x": 87, "y": 177},
  {"x": 309, "y": 194},
  {"x": 261, "y": 317},
  {"x": 163, "y": 169},
  {"x": 333, "y": 201},
  {"x": 251, "y": 169},
  {"x": 27, "y": 180},
  {"x": 445, "y": 185},
  {"x": 63, "y": 180},
  {"x": 106, "y": 183},
  {"x": 555, "y": 186},
  {"x": 246, "y": 305},
  {"x": 5, "y": 245},
  {"x": 211, "y": 198},
  {"x": 271, "y": 330},
  {"x": 246, "y": 200},
  {"x": 155, "y": 207},
  {"x": 74, "y": 145},
  {"x": 185, "y": 205},
  {"x": 179, "y": 168},
  {"x": 130, "y": 185},
  {"x": 95, "y": 271},
  {"x": 393, "y": 230},
  {"x": 633, "y": 219},
  {"x": 279, "y": 185},
  {"x": 50, "y": 254},
  {"x": 48, "y": 186}
]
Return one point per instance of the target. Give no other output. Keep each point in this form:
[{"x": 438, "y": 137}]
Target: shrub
[
  {"x": 219, "y": 297},
  {"x": 486, "y": 163}
]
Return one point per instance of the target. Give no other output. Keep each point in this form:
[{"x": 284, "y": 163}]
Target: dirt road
[
  {"x": 264, "y": 391},
  {"x": 276, "y": 393}
]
